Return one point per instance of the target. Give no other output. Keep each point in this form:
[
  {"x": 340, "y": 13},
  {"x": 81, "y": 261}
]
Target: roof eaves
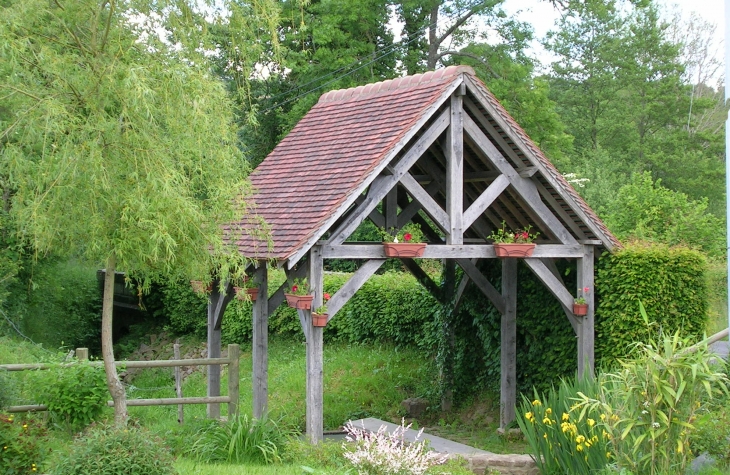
[
  {"x": 349, "y": 199},
  {"x": 550, "y": 173}
]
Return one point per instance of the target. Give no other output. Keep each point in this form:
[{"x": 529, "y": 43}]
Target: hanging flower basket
[
  {"x": 242, "y": 293},
  {"x": 402, "y": 249},
  {"x": 301, "y": 302},
  {"x": 319, "y": 319},
  {"x": 580, "y": 309},
  {"x": 199, "y": 287},
  {"x": 514, "y": 249}
]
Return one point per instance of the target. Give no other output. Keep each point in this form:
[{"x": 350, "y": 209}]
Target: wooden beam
[
  {"x": 553, "y": 268},
  {"x": 446, "y": 251},
  {"x": 424, "y": 279},
  {"x": 508, "y": 347},
  {"x": 353, "y": 284},
  {"x": 385, "y": 183},
  {"x": 315, "y": 352},
  {"x": 429, "y": 205},
  {"x": 524, "y": 186},
  {"x": 455, "y": 172},
  {"x": 390, "y": 209},
  {"x": 260, "y": 344},
  {"x": 461, "y": 289},
  {"x": 217, "y": 303},
  {"x": 412, "y": 208},
  {"x": 586, "y": 336},
  {"x": 483, "y": 284},
  {"x": 485, "y": 200},
  {"x": 560, "y": 211},
  {"x": 556, "y": 287}
]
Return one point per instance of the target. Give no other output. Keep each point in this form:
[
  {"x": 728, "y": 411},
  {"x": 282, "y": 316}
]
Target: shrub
[
  {"x": 104, "y": 450},
  {"x": 21, "y": 440},
  {"x": 242, "y": 439}
]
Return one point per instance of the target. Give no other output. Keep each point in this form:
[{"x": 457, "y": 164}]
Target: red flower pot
[
  {"x": 301, "y": 302},
  {"x": 514, "y": 249},
  {"x": 400, "y": 249},
  {"x": 319, "y": 319},
  {"x": 580, "y": 309}
]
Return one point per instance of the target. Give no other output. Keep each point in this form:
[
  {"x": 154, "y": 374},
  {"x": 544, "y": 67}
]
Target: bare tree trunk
[
  {"x": 107, "y": 350},
  {"x": 433, "y": 41}
]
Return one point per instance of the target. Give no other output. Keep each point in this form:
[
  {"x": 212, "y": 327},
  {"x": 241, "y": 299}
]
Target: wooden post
[
  {"x": 261, "y": 343},
  {"x": 82, "y": 354},
  {"x": 586, "y": 333},
  {"x": 508, "y": 350},
  {"x": 447, "y": 371},
  {"x": 455, "y": 172},
  {"x": 315, "y": 352},
  {"x": 178, "y": 382},
  {"x": 234, "y": 354},
  {"x": 217, "y": 304}
]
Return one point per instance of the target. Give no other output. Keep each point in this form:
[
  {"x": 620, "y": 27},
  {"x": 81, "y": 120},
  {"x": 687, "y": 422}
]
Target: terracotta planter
[
  {"x": 301, "y": 302},
  {"x": 514, "y": 249},
  {"x": 241, "y": 293},
  {"x": 580, "y": 309},
  {"x": 200, "y": 288},
  {"x": 319, "y": 319},
  {"x": 401, "y": 249}
]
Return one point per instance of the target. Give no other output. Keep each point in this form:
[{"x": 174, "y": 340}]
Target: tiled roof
[{"x": 346, "y": 139}]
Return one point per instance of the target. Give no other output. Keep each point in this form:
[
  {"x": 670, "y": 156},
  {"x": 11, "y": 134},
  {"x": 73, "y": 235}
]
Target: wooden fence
[{"x": 232, "y": 361}]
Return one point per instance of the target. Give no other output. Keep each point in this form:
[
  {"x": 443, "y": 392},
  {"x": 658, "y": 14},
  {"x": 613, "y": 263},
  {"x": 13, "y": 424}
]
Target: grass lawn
[{"x": 190, "y": 467}]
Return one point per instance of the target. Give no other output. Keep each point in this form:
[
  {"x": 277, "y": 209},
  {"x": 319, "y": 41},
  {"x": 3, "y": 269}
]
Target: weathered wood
[
  {"x": 428, "y": 204},
  {"x": 463, "y": 284},
  {"x": 315, "y": 352},
  {"x": 353, "y": 284},
  {"x": 127, "y": 364},
  {"x": 508, "y": 348},
  {"x": 448, "y": 274},
  {"x": 234, "y": 380},
  {"x": 483, "y": 284},
  {"x": 446, "y": 251},
  {"x": 172, "y": 401},
  {"x": 214, "y": 351},
  {"x": 455, "y": 172},
  {"x": 586, "y": 336},
  {"x": 424, "y": 279},
  {"x": 556, "y": 287},
  {"x": 178, "y": 383},
  {"x": 390, "y": 209},
  {"x": 411, "y": 209},
  {"x": 260, "y": 344},
  {"x": 82, "y": 354},
  {"x": 476, "y": 177},
  {"x": 485, "y": 200},
  {"x": 395, "y": 150},
  {"x": 26, "y": 408},
  {"x": 378, "y": 191},
  {"x": 524, "y": 186},
  {"x": 553, "y": 268},
  {"x": 547, "y": 196}
]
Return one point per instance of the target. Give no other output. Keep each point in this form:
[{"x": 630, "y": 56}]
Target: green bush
[
  {"x": 21, "y": 444},
  {"x": 105, "y": 450}
]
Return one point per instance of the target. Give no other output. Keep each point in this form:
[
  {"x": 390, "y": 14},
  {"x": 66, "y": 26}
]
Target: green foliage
[
  {"x": 651, "y": 403},
  {"x": 410, "y": 233},
  {"x": 104, "y": 450},
  {"x": 669, "y": 281},
  {"x": 241, "y": 439},
  {"x": 75, "y": 394},
  {"x": 561, "y": 439},
  {"x": 21, "y": 444},
  {"x": 711, "y": 428}
]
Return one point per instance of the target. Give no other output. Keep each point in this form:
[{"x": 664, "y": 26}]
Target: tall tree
[{"x": 120, "y": 147}]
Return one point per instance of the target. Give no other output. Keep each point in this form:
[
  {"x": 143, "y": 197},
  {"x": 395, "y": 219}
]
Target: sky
[{"x": 542, "y": 16}]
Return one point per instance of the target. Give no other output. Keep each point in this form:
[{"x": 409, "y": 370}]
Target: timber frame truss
[{"x": 459, "y": 177}]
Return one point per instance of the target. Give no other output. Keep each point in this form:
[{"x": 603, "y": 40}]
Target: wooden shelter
[{"x": 438, "y": 145}]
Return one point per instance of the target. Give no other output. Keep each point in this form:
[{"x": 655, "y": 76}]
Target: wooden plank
[
  {"x": 424, "y": 279},
  {"x": 483, "y": 284},
  {"x": 127, "y": 364},
  {"x": 412, "y": 208},
  {"x": 586, "y": 337},
  {"x": 455, "y": 172},
  {"x": 429, "y": 205},
  {"x": 386, "y": 183},
  {"x": 524, "y": 186},
  {"x": 315, "y": 351},
  {"x": 485, "y": 200},
  {"x": 446, "y": 251},
  {"x": 171, "y": 401},
  {"x": 353, "y": 284},
  {"x": 390, "y": 208},
  {"x": 508, "y": 346},
  {"x": 555, "y": 286},
  {"x": 260, "y": 343},
  {"x": 234, "y": 354}
]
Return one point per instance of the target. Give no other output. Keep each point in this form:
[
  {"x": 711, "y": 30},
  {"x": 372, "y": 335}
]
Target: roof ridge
[{"x": 390, "y": 84}]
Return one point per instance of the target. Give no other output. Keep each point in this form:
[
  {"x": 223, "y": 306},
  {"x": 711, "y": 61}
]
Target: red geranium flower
[
  {"x": 294, "y": 288},
  {"x": 407, "y": 236},
  {"x": 326, "y": 296}
]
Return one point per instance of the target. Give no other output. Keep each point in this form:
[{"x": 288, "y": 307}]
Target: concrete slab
[{"x": 438, "y": 444}]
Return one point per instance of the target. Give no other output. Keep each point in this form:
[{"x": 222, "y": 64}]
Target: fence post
[
  {"x": 234, "y": 355},
  {"x": 178, "y": 382},
  {"x": 82, "y": 354}
]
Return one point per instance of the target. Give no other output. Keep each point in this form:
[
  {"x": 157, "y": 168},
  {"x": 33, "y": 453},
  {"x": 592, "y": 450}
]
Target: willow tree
[{"x": 118, "y": 141}]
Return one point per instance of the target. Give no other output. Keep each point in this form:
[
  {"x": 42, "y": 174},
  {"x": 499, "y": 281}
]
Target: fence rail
[{"x": 234, "y": 353}]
